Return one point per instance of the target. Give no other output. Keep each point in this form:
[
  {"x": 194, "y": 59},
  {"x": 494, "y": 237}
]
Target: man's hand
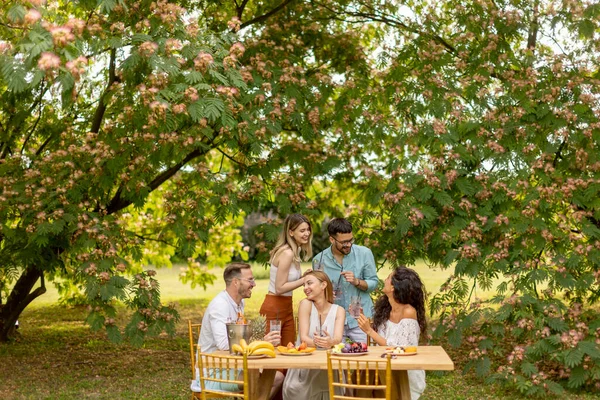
[
  {"x": 273, "y": 337},
  {"x": 349, "y": 275}
]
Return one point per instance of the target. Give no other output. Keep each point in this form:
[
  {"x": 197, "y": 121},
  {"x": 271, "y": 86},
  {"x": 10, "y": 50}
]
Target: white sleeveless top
[{"x": 293, "y": 275}]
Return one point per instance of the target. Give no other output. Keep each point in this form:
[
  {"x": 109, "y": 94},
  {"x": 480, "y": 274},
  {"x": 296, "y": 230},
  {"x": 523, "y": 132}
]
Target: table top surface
[{"x": 427, "y": 358}]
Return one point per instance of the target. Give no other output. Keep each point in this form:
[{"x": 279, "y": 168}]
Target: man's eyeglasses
[
  {"x": 250, "y": 281},
  {"x": 345, "y": 242}
]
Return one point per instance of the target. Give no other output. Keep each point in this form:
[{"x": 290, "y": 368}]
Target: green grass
[{"x": 58, "y": 357}]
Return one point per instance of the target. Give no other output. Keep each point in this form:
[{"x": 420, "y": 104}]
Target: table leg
[
  {"x": 261, "y": 383},
  {"x": 400, "y": 386}
]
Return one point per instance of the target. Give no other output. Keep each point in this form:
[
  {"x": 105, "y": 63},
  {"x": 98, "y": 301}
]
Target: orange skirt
[{"x": 280, "y": 307}]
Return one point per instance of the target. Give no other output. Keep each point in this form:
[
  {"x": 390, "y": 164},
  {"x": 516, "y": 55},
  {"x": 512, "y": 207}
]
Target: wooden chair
[
  {"x": 225, "y": 369},
  {"x": 194, "y": 333},
  {"x": 358, "y": 380}
]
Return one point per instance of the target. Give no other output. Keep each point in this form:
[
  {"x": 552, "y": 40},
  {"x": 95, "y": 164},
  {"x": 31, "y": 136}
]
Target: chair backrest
[
  {"x": 194, "y": 333},
  {"x": 226, "y": 370},
  {"x": 354, "y": 376}
]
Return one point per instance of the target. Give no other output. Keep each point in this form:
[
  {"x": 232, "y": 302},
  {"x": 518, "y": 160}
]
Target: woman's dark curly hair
[{"x": 408, "y": 289}]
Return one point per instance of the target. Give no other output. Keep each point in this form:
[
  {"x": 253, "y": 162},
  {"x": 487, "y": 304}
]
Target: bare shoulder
[
  {"x": 283, "y": 257},
  {"x": 409, "y": 312},
  {"x": 305, "y": 304}
]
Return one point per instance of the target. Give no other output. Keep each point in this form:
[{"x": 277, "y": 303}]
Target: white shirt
[{"x": 213, "y": 334}]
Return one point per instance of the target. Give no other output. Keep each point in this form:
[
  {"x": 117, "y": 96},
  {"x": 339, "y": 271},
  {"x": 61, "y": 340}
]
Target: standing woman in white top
[
  {"x": 293, "y": 246},
  {"x": 399, "y": 318}
]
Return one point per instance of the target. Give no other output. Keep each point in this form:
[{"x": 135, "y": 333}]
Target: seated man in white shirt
[{"x": 224, "y": 308}]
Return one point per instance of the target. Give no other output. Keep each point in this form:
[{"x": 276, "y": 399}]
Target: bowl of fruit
[{"x": 350, "y": 349}]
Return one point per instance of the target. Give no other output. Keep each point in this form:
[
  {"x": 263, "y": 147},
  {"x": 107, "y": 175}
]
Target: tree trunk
[{"x": 20, "y": 297}]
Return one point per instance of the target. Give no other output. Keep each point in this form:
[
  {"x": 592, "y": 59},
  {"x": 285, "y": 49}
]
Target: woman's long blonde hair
[{"x": 284, "y": 240}]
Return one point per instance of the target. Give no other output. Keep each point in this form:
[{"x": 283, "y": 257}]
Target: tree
[
  {"x": 107, "y": 103},
  {"x": 486, "y": 162}
]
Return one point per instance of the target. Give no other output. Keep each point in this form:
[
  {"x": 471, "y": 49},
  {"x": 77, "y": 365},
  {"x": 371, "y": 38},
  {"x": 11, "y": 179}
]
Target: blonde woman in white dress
[{"x": 321, "y": 325}]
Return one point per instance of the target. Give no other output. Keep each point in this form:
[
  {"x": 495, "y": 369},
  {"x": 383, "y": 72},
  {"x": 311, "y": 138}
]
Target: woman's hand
[
  {"x": 324, "y": 341},
  {"x": 364, "y": 324}
]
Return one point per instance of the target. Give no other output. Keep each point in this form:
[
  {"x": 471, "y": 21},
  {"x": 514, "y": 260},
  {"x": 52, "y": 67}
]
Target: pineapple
[{"x": 258, "y": 328}]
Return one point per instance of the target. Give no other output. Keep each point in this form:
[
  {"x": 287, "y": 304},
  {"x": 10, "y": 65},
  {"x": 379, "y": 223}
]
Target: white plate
[
  {"x": 401, "y": 354},
  {"x": 254, "y": 357},
  {"x": 294, "y": 354},
  {"x": 350, "y": 354}
]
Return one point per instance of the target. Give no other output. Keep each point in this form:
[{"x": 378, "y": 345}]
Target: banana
[
  {"x": 259, "y": 344},
  {"x": 265, "y": 351},
  {"x": 237, "y": 348},
  {"x": 244, "y": 344}
]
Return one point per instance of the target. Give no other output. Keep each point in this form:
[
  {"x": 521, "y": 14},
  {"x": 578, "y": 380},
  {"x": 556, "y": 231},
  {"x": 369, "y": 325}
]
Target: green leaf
[
  {"x": 587, "y": 28},
  {"x": 528, "y": 368},
  {"x": 577, "y": 377},
  {"x": 573, "y": 357},
  {"x": 16, "y": 13}
]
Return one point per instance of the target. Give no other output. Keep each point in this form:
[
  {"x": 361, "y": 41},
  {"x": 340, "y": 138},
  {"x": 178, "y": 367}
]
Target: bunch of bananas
[{"x": 256, "y": 348}]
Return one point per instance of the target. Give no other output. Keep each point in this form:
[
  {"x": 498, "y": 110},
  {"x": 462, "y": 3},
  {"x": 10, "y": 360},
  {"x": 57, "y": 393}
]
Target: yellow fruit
[
  {"x": 308, "y": 350},
  {"x": 294, "y": 350},
  {"x": 282, "y": 349},
  {"x": 261, "y": 351},
  {"x": 237, "y": 348},
  {"x": 410, "y": 349},
  {"x": 243, "y": 344},
  {"x": 259, "y": 344}
]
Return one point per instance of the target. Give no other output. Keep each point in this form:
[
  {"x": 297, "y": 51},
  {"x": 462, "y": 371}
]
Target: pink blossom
[
  {"x": 76, "y": 25},
  {"x": 61, "y": 35},
  {"x": 191, "y": 94},
  {"x": 48, "y": 61},
  {"x": 148, "y": 48},
  {"x": 237, "y": 49},
  {"x": 173, "y": 45},
  {"x": 203, "y": 61},
  {"x": 77, "y": 67},
  {"x": 234, "y": 24},
  {"x": 179, "y": 109},
  {"x": 5, "y": 47},
  {"x": 32, "y": 17}
]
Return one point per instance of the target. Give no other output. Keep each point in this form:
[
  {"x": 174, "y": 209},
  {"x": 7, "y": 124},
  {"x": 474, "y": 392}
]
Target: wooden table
[{"x": 429, "y": 358}]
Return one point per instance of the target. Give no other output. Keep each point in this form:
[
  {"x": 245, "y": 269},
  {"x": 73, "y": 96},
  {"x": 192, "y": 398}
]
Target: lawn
[{"x": 57, "y": 357}]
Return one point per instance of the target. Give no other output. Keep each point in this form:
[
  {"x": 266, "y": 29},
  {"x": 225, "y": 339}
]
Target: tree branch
[
  {"x": 118, "y": 202},
  {"x": 266, "y": 16},
  {"x": 112, "y": 78},
  {"x": 533, "y": 29}
]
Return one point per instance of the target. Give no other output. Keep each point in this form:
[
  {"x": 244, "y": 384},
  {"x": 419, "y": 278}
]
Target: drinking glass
[
  {"x": 275, "y": 326},
  {"x": 337, "y": 289},
  {"x": 355, "y": 307},
  {"x": 317, "y": 265}
]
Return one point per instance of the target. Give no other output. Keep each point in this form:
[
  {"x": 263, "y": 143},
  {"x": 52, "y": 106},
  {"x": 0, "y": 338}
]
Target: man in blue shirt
[{"x": 353, "y": 273}]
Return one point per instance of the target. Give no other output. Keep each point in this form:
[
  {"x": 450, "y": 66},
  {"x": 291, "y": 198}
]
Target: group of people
[{"x": 342, "y": 277}]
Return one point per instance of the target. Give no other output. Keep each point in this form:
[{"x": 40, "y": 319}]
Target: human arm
[
  {"x": 364, "y": 275},
  {"x": 304, "y": 322},
  {"x": 327, "y": 341},
  {"x": 365, "y": 325},
  {"x": 218, "y": 321},
  {"x": 284, "y": 261}
]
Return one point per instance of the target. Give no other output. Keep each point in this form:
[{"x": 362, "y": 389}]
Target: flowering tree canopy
[{"x": 464, "y": 133}]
